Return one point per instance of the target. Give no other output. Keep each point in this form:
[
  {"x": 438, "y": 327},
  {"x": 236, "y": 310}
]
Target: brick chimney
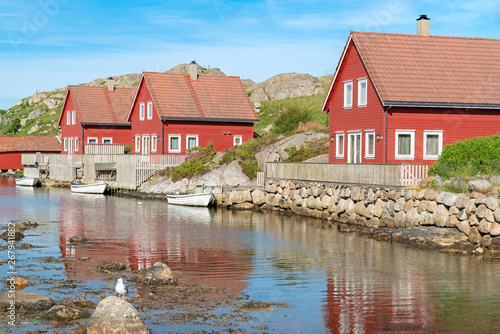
[
  {"x": 423, "y": 25},
  {"x": 193, "y": 70},
  {"x": 111, "y": 84}
]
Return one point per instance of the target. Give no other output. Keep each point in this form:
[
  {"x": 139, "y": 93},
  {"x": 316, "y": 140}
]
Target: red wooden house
[
  {"x": 174, "y": 112},
  {"x": 95, "y": 115},
  {"x": 399, "y": 98},
  {"x": 11, "y": 149}
]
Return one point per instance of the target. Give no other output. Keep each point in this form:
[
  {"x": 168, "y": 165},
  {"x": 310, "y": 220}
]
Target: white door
[
  {"x": 145, "y": 144},
  {"x": 354, "y": 148},
  {"x": 71, "y": 148}
]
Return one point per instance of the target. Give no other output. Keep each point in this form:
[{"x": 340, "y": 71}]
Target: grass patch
[
  {"x": 195, "y": 163},
  {"x": 308, "y": 150},
  {"x": 472, "y": 156}
]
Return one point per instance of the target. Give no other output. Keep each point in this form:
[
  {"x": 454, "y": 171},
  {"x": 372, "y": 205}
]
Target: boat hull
[
  {"x": 27, "y": 181},
  {"x": 191, "y": 199},
  {"x": 98, "y": 188}
]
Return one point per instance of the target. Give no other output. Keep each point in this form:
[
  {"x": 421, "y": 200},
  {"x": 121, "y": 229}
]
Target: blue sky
[{"x": 48, "y": 44}]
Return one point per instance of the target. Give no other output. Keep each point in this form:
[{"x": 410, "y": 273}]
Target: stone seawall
[{"x": 474, "y": 216}]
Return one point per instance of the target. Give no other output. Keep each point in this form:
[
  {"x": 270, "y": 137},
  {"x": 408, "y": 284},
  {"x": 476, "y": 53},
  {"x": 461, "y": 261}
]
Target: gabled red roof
[
  {"x": 431, "y": 69},
  {"x": 30, "y": 144},
  {"x": 97, "y": 105},
  {"x": 210, "y": 97}
]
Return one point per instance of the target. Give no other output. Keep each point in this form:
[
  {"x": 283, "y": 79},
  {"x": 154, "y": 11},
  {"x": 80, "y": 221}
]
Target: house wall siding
[
  {"x": 356, "y": 118},
  {"x": 456, "y": 124},
  {"x": 13, "y": 160}
]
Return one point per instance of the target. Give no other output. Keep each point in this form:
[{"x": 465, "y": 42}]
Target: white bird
[{"x": 120, "y": 287}]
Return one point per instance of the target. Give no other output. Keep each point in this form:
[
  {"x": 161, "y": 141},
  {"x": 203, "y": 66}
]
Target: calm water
[{"x": 335, "y": 283}]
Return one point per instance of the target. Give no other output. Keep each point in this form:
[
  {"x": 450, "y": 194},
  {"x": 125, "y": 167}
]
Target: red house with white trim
[
  {"x": 12, "y": 148},
  {"x": 173, "y": 112},
  {"x": 398, "y": 98},
  {"x": 95, "y": 115}
]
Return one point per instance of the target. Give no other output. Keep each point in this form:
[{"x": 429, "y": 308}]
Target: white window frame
[
  {"x": 196, "y": 137},
  {"x": 170, "y": 150},
  {"x": 137, "y": 141},
  {"x": 410, "y": 156},
  {"x": 73, "y": 117},
  {"x": 146, "y": 144},
  {"x": 141, "y": 111},
  {"x": 68, "y": 117},
  {"x": 154, "y": 140},
  {"x": 234, "y": 140},
  {"x": 65, "y": 144},
  {"x": 369, "y": 133},
  {"x": 347, "y": 94},
  {"x": 107, "y": 138},
  {"x": 362, "y": 93},
  {"x": 150, "y": 110},
  {"x": 77, "y": 143},
  {"x": 349, "y": 158},
  {"x": 70, "y": 145},
  {"x": 95, "y": 139},
  {"x": 338, "y": 135},
  {"x": 440, "y": 148}
]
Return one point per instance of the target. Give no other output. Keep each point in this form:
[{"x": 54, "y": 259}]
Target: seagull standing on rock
[{"x": 120, "y": 287}]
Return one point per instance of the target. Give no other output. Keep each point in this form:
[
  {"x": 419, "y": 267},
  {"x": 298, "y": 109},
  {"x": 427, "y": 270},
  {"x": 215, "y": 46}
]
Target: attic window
[
  {"x": 73, "y": 117},
  {"x": 141, "y": 111},
  {"x": 150, "y": 110},
  {"x": 348, "y": 94},
  {"x": 68, "y": 117}
]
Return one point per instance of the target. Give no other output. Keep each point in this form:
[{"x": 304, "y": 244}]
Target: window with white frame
[
  {"x": 348, "y": 94},
  {"x": 370, "y": 144},
  {"x": 92, "y": 140},
  {"x": 174, "y": 143},
  {"x": 73, "y": 117},
  {"x": 362, "y": 92},
  {"x": 65, "y": 144},
  {"x": 137, "y": 141},
  {"x": 154, "y": 140},
  {"x": 405, "y": 144},
  {"x": 107, "y": 140},
  {"x": 339, "y": 146},
  {"x": 68, "y": 117},
  {"x": 141, "y": 111},
  {"x": 433, "y": 144},
  {"x": 70, "y": 145},
  {"x": 77, "y": 143},
  {"x": 191, "y": 141},
  {"x": 150, "y": 110},
  {"x": 237, "y": 140}
]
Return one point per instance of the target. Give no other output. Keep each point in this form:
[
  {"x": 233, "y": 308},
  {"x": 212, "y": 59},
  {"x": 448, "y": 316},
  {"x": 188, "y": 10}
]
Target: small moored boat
[
  {"x": 202, "y": 199},
  {"x": 96, "y": 188},
  {"x": 27, "y": 181}
]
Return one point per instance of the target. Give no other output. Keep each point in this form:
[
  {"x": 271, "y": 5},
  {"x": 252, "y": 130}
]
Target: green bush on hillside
[
  {"x": 308, "y": 150},
  {"x": 473, "y": 156},
  {"x": 195, "y": 163},
  {"x": 289, "y": 119}
]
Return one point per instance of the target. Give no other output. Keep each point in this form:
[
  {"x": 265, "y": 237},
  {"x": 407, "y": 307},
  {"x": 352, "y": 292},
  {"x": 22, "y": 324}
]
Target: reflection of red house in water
[
  {"x": 146, "y": 241},
  {"x": 357, "y": 305}
]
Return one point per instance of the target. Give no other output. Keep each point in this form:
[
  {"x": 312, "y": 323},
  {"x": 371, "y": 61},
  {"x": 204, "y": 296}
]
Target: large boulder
[
  {"x": 277, "y": 151},
  {"x": 116, "y": 315},
  {"x": 482, "y": 186},
  {"x": 27, "y": 301}
]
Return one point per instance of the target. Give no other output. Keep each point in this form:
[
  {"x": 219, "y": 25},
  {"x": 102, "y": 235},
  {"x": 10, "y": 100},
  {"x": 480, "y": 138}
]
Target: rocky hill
[{"x": 39, "y": 113}]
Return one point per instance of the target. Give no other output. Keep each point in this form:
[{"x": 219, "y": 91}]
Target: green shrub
[
  {"x": 194, "y": 165},
  {"x": 289, "y": 119},
  {"x": 473, "y": 156},
  {"x": 128, "y": 149}
]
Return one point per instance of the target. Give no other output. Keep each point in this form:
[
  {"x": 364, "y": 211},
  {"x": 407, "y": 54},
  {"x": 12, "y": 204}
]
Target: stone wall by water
[{"x": 474, "y": 215}]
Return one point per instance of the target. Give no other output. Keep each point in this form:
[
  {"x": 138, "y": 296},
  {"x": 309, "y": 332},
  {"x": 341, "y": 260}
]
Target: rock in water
[
  {"x": 115, "y": 315},
  {"x": 65, "y": 313},
  {"x": 27, "y": 301},
  {"x": 158, "y": 274}
]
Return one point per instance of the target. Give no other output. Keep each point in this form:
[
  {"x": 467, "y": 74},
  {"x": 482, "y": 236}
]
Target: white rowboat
[
  {"x": 96, "y": 188},
  {"x": 203, "y": 199},
  {"x": 27, "y": 181}
]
